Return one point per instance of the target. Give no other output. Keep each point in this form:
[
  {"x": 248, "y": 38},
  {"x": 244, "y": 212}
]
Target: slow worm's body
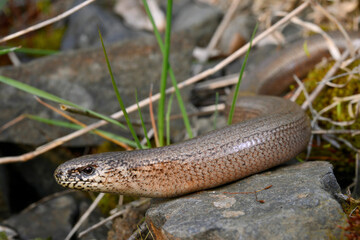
[{"x": 278, "y": 130}]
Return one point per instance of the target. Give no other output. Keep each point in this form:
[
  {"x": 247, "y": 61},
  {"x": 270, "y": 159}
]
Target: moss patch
[{"x": 344, "y": 158}]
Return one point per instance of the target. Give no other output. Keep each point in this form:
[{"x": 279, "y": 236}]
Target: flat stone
[
  {"x": 300, "y": 204},
  {"x": 50, "y": 219},
  {"x": 194, "y": 17},
  {"x": 54, "y": 217},
  {"x": 82, "y": 77},
  {"x": 83, "y": 26}
]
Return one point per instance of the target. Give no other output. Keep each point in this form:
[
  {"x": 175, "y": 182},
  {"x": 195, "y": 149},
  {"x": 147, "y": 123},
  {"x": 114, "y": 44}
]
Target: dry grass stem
[
  {"x": 47, "y": 22},
  {"x": 204, "y": 54},
  {"x": 338, "y": 24},
  {"x": 333, "y": 49},
  {"x": 216, "y": 83},
  {"x": 354, "y": 99},
  {"x": 211, "y": 109},
  {"x": 125, "y": 208},
  {"x": 85, "y": 216},
  {"x": 14, "y": 59},
  {"x": 224, "y": 23},
  {"x": 352, "y": 132},
  {"x": 139, "y": 232},
  {"x": 12, "y": 122},
  {"x": 325, "y": 79}
]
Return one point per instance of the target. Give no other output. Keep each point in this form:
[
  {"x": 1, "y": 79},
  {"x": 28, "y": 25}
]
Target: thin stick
[
  {"x": 102, "y": 222},
  {"x": 126, "y": 207},
  {"x": 155, "y": 97},
  {"x": 47, "y": 22},
  {"x": 353, "y": 132},
  {"x": 12, "y": 122},
  {"x": 139, "y": 231},
  {"x": 338, "y": 24},
  {"x": 224, "y": 23},
  {"x": 323, "y": 82},
  {"x": 85, "y": 216}
]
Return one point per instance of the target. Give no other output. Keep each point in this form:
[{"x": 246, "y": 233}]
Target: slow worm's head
[{"x": 89, "y": 173}]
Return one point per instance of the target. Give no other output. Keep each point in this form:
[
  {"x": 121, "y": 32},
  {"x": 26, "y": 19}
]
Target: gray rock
[
  {"x": 82, "y": 77},
  {"x": 54, "y": 218},
  {"x": 299, "y": 205},
  {"x": 199, "y": 20},
  {"x": 50, "y": 219},
  {"x": 237, "y": 33},
  {"x": 82, "y": 30}
]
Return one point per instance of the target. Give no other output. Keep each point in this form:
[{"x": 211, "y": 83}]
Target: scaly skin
[{"x": 278, "y": 131}]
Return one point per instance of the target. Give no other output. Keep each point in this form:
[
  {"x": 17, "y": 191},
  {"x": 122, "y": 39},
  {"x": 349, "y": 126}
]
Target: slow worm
[{"x": 275, "y": 130}]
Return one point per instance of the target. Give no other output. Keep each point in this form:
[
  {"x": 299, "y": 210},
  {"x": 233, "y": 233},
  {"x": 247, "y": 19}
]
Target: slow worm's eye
[{"x": 88, "y": 170}]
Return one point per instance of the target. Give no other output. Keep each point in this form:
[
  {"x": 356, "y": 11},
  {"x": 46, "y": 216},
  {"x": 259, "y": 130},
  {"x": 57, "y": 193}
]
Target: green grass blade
[
  {"x": 168, "y": 112},
  {"x": 4, "y": 50},
  {"x": 34, "y": 51},
  {"x": 171, "y": 73},
  {"x": 40, "y": 93},
  {"x": 126, "y": 116},
  {"x": 236, "y": 92},
  {"x": 74, "y": 126},
  {"x": 142, "y": 121},
  {"x": 306, "y": 49},
  {"x": 164, "y": 74}
]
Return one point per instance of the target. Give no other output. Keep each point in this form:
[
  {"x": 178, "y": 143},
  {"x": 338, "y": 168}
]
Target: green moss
[
  {"x": 342, "y": 159},
  {"x": 107, "y": 146},
  {"x": 351, "y": 209},
  {"x": 47, "y": 38},
  {"x": 44, "y": 6},
  {"x": 3, "y": 236}
]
